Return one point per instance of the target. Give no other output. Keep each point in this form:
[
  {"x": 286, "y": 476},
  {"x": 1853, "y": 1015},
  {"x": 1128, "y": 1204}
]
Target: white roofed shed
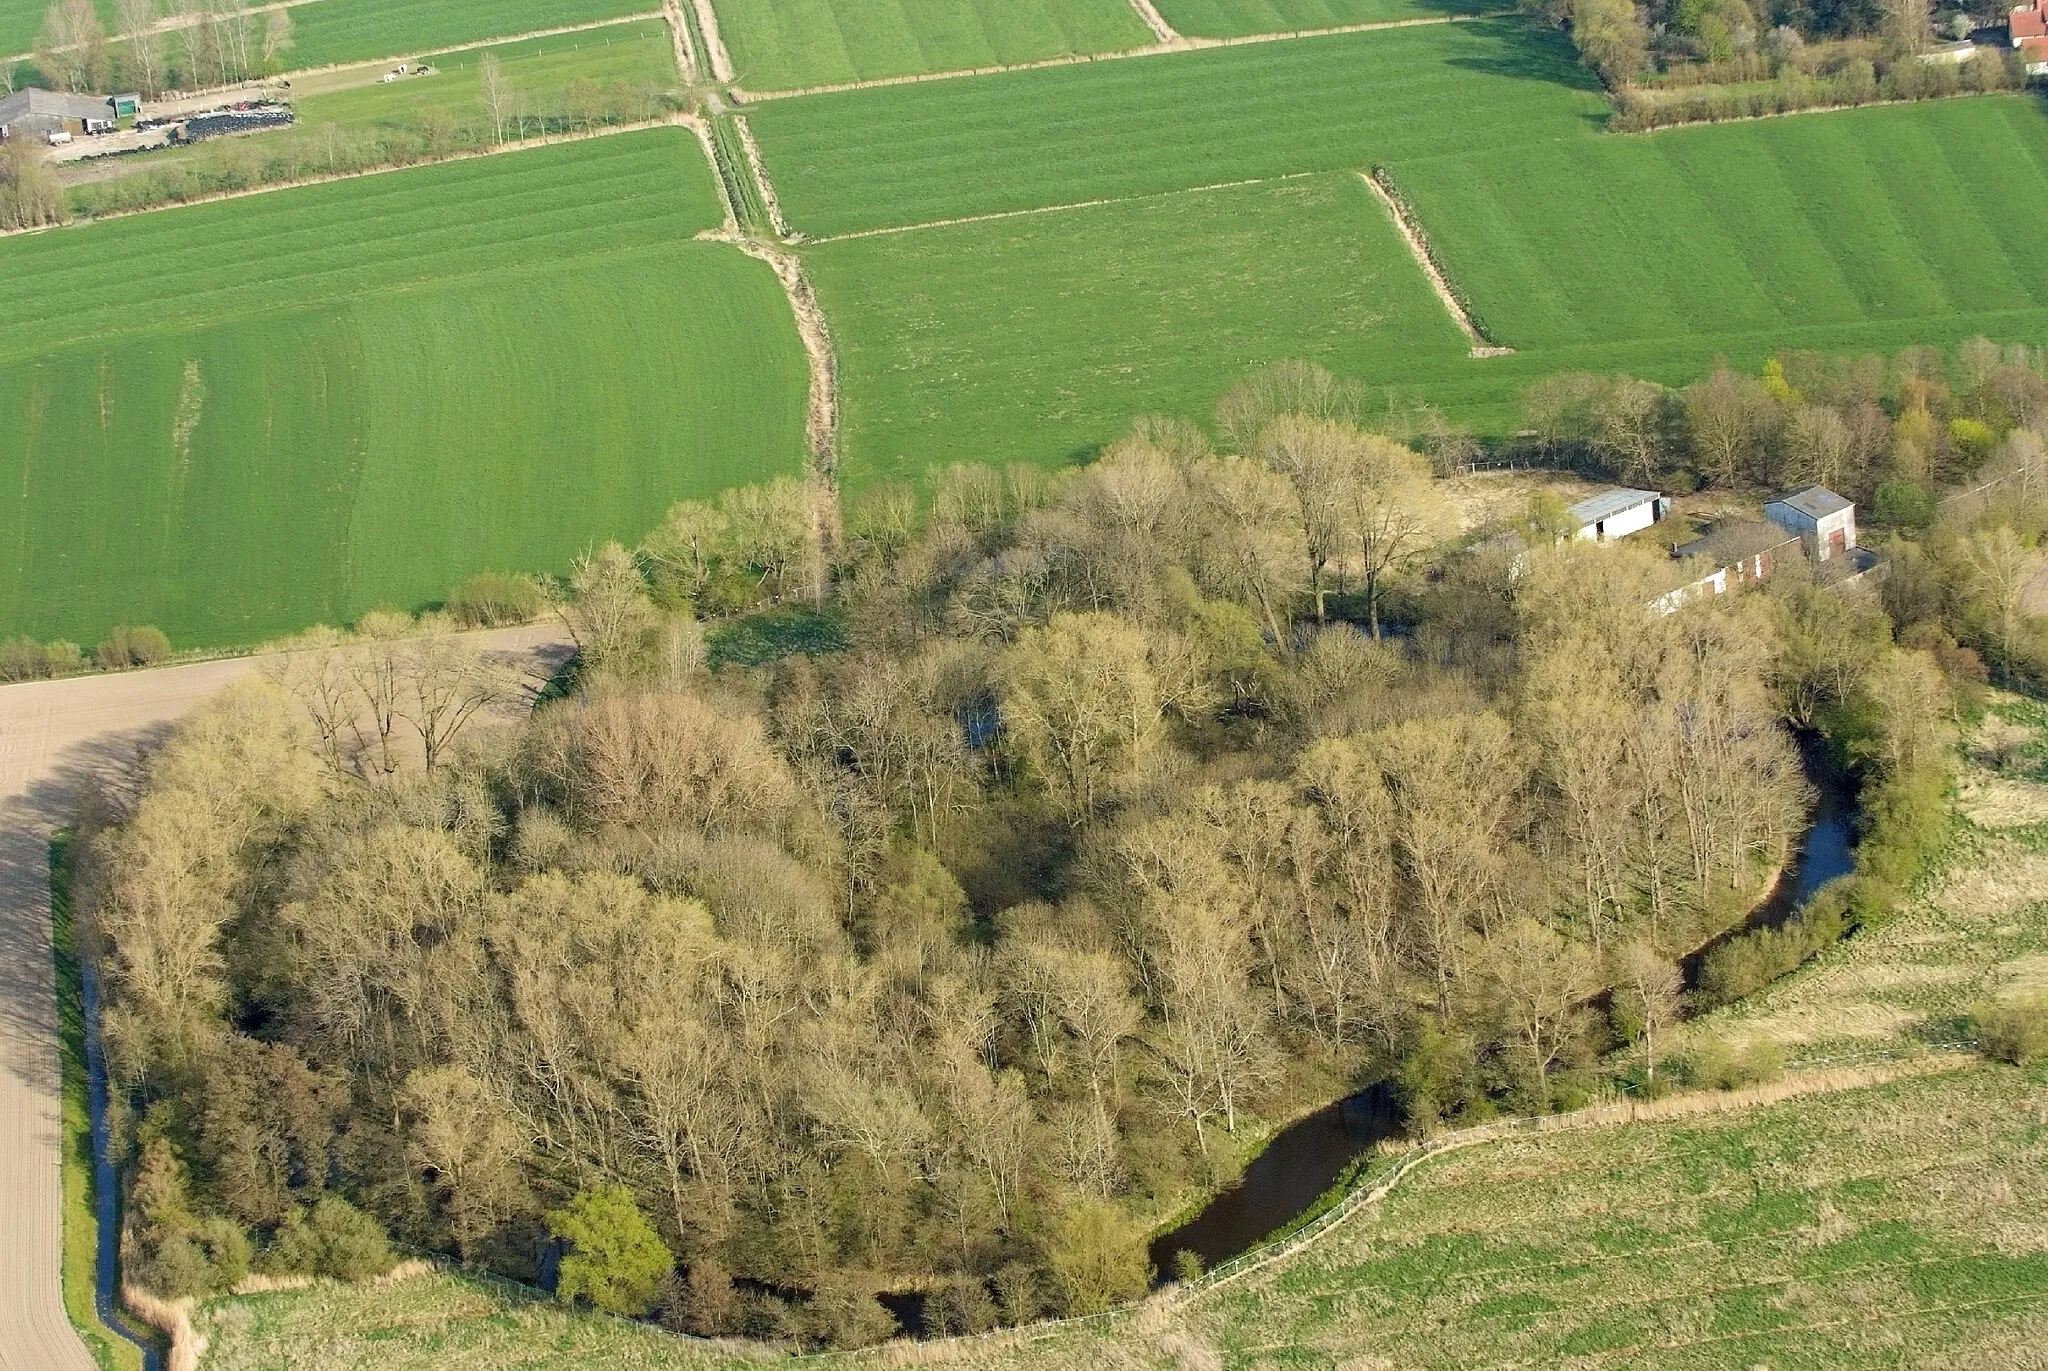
[
  {"x": 1616, "y": 513},
  {"x": 1824, "y": 522}
]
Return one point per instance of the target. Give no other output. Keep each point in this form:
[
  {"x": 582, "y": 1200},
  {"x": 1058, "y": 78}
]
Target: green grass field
[
  {"x": 785, "y": 44},
  {"x": 1929, "y": 214},
  {"x": 1038, "y": 338},
  {"x": 542, "y": 69},
  {"x": 240, "y": 418},
  {"x": 900, "y": 155},
  {"x": 1234, "y": 18},
  {"x": 1897, "y": 1225},
  {"x": 330, "y": 31}
]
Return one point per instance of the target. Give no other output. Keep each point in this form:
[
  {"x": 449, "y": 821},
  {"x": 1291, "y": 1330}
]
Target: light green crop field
[
  {"x": 329, "y": 31},
  {"x": 1929, "y": 213},
  {"x": 637, "y": 54},
  {"x": 1038, "y": 338},
  {"x": 856, "y": 160},
  {"x": 22, "y": 20},
  {"x": 240, "y": 418},
  {"x": 1235, "y": 18},
  {"x": 785, "y": 44},
  {"x": 1899, "y": 1225}
]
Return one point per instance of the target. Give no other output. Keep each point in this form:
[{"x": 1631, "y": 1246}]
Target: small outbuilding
[
  {"x": 1824, "y": 522},
  {"x": 1616, "y": 513},
  {"x": 46, "y": 114}
]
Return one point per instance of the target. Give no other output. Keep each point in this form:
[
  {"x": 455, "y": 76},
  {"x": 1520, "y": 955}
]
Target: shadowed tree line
[{"x": 1148, "y": 803}]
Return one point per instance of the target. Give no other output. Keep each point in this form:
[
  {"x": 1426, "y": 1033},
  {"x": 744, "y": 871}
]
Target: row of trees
[
  {"x": 954, "y": 959},
  {"x": 426, "y": 134},
  {"x": 1687, "y": 61},
  {"x": 1886, "y": 432},
  {"x": 160, "y": 44}
]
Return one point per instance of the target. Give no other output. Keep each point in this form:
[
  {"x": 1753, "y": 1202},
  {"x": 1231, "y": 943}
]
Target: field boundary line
[
  {"x": 1817, "y": 109},
  {"x": 679, "y": 35},
  {"x": 769, "y": 200},
  {"x": 1075, "y": 59},
  {"x": 328, "y": 178},
  {"x": 1417, "y": 239},
  {"x": 1156, "y": 22},
  {"x": 173, "y": 23},
  {"x": 714, "y": 41},
  {"x": 262, "y": 83},
  {"x": 1054, "y": 209}
]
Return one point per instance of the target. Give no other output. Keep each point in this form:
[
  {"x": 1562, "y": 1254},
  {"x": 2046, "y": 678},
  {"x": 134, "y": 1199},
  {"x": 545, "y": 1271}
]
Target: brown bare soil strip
[
  {"x": 707, "y": 25},
  {"x": 1418, "y": 247},
  {"x": 524, "y": 145},
  {"x": 679, "y": 34},
  {"x": 1057, "y": 209},
  {"x": 823, "y": 424},
  {"x": 760, "y": 169},
  {"x": 1181, "y": 43},
  {"x": 1156, "y": 21}
]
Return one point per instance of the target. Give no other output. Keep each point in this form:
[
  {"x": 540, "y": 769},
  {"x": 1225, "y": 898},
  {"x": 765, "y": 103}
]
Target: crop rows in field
[
  {"x": 1237, "y": 18},
  {"x": 1932, "y": 213},
  {"x": 914, "y": 154},
  {"x": 241, "y": 418},
  {"x": 784, "y": 44},
  {"x": 1038, "y": 338},
  {"x": 326, "y": 32}
]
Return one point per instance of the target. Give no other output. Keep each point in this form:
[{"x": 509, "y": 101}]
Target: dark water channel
[
  {"x": 1826, "y": 850},
  {"x": 1307, "y": 1157},
  {"x": 1303, "y": 1160}
]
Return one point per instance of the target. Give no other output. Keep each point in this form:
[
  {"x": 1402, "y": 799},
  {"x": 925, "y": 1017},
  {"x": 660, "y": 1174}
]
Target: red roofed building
[{"x": 2029, "y": 27}]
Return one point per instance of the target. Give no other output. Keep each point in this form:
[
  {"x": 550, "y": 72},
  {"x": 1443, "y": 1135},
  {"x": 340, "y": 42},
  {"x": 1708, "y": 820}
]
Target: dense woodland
[
  {"x": 1149, "y": 803},
  {"x": 1697, "y": 61}
]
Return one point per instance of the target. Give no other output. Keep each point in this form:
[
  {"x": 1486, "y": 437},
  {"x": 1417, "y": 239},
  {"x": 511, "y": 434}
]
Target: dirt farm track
[{"x": 56, "y": 736}]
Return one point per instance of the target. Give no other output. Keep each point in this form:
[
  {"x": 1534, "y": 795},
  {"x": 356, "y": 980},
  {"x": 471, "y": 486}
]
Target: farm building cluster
[
  {"x": 56, "y": 117},
  {"x": 1820, "y": 522},
  {"x": 113, "y": 124}
]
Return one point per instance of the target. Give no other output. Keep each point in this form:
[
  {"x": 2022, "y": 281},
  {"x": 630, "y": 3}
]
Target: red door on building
[{"x": 1838, "y": 542}]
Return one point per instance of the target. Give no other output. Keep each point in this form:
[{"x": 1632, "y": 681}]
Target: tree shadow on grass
[{"x": 770, "y": 636}]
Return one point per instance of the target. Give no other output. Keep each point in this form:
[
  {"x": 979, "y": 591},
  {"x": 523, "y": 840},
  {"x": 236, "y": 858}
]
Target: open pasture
[
  {"x": 857, "y": 160},
  {"x": 785, "y": 44},
  {"x": 1038, "y": 338},
  {"x": 240, "y": 418},
  {"x": 1237, "y": 18},
  {"x": 1927, "y": 213}
]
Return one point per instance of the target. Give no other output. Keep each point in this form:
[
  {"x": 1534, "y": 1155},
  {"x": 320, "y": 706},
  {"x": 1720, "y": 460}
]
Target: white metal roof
[
  {"x": 1608, "y": 503},
  {"x": 1815, "y": 502}
]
